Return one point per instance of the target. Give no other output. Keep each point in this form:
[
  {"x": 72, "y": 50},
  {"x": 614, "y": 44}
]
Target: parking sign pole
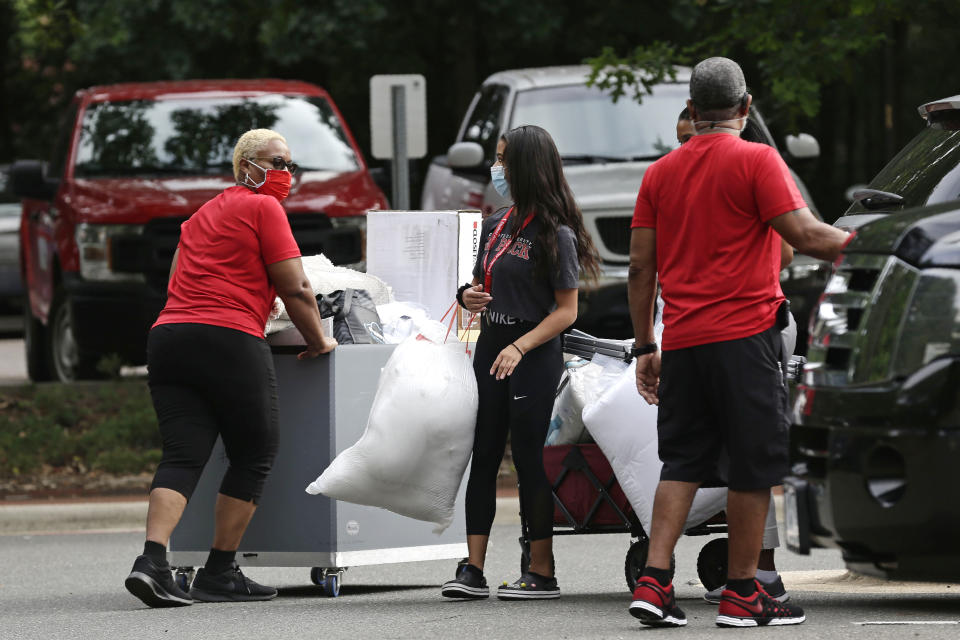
[{"x": 400, "y": 166}]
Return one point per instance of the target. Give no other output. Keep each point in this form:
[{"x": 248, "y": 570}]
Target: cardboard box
[{"x": 424, "y": 255}]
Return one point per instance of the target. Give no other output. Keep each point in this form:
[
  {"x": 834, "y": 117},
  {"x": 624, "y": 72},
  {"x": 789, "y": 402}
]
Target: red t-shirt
[
  {"x": 221, "y": 275},
  {"x": 717, "y": 260}
]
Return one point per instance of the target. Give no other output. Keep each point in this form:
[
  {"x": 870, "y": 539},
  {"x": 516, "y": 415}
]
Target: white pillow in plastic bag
[
  {"x": 585, "y": 380},
  {"x": 624, "y": 426},
  {"x": 419, "y": 436}
]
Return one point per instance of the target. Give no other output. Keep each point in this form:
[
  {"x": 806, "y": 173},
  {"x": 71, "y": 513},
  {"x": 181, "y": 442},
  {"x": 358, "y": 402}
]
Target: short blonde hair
[{"x": 250, "y": 144}]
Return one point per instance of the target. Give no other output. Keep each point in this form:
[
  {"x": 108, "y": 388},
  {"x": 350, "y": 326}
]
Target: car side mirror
[
  {"x": 465, "y": 155},
  {"x": 28, "y": 179},
  {"x": 803, "y": 146}
]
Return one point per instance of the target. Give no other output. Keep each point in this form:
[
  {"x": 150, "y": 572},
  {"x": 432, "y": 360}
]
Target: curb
[{"x": 89, "y": 517}]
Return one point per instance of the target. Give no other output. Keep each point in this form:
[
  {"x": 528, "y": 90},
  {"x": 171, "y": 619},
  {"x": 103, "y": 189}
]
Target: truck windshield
[
  {"x": 585, "y": 123},
  {"x": 197, "y": 135}
]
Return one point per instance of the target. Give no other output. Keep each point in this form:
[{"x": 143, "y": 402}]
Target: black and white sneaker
[
  {"x": 229, "y": 586},
  {"x": 469, "y": 583},
  {"x": 530, "y": 586},
  {"x": 154, "y": 584}
]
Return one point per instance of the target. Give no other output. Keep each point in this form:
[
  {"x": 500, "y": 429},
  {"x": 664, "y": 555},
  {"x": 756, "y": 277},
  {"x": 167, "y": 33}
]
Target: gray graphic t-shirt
[{"x": 517, "y": 290}]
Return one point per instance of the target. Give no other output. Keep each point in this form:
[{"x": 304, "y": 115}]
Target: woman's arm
[
  {"x": 550, "y": 327},
  {"x": 786, "y": 253},
  {"x": 294, "y": 289}
]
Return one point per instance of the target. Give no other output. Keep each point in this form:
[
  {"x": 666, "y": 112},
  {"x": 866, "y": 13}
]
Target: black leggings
[
  {"x": 521, "y": 403},
  {"x": 207, "y": 381}
]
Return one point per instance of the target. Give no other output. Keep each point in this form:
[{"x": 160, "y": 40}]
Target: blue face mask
[{"x": 499, "y": 181}]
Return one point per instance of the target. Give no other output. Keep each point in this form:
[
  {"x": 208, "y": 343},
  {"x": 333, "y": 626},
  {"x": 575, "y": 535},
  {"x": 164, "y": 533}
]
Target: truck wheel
[
  {"x": 66, "y": 361},
  {"x": 35, "y": 344}
]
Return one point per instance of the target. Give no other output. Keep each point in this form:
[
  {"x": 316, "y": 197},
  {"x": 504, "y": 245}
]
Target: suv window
[
  {"x": 483, "y": 125},
  {"x": 197, "y": 135},
  {"x": 586, "y": 123},
  {"x": 926, "y": 171}
]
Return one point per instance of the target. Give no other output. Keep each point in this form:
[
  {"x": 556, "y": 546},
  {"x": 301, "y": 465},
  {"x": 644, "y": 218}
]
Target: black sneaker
[
  {"x": 759, "y": 610},
  {"x": 229, "y": 586},
  {"x": 154, "y": 584},
  {"x": 530, "y": 586},
  {"x": 655, "y": 605},
  {"x": 469, "y": 583}
]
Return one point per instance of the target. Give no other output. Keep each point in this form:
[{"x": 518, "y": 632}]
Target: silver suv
[{"x": 606, "y": 148}]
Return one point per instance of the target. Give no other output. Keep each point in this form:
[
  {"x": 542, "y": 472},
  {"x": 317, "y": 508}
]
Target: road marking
[{"x": 870, "y": 622}]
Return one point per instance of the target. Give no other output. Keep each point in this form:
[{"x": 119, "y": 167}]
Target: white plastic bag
[
  {"x": 625, "y": 428},
  {"x": 400, "y": 320},
  {"x": 419, "y": 436},
  {"x": 582, "y": 381}
]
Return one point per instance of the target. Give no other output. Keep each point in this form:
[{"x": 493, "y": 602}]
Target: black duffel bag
[{"x": 353, "y": 313}]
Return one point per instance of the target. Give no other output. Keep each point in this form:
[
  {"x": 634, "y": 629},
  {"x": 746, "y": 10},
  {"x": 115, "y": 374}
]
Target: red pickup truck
[{"x": 101, "y": 220}]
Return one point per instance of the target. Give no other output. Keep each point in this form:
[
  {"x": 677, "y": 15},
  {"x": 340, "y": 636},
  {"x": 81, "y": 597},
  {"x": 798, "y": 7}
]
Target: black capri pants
[
  {"x": 520, "y": 404},
  {"x": 207, "y": 381}
]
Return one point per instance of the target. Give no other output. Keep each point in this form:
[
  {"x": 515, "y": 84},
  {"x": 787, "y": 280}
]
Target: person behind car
[
  {"x": 721, "y": 384},
  {"x": 211, "y": 373},
  {"x": 525, "y": 284},
  {"x": 767, "y": 572}
]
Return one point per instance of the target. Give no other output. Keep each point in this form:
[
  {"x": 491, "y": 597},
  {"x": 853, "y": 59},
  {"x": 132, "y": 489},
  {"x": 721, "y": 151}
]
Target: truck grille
[
  {"x": 615, "y": 234},
  {"x": 152, "y": 252},
  {"x": 858, "y": 317}
]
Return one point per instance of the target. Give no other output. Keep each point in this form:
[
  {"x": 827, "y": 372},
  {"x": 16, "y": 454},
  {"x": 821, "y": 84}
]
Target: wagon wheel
[
  {"x": 712, "y": 564},
  {"x": 637, "y": 560}
]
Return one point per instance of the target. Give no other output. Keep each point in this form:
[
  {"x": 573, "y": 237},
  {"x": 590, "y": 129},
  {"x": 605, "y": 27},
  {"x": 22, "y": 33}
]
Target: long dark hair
[{"x": 534, "y": 171}]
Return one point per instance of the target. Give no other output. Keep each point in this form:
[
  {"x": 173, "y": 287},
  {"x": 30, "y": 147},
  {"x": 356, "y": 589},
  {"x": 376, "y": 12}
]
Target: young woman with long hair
[{"x": 525, "y": 285}]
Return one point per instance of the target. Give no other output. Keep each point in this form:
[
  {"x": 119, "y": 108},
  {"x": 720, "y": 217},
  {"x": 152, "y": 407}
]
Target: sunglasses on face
[{"x": 280, "y": 164}]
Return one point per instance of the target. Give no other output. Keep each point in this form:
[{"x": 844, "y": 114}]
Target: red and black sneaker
[
  {"x": 758, "y": 610},
  {"x": 655, "y": 605}
]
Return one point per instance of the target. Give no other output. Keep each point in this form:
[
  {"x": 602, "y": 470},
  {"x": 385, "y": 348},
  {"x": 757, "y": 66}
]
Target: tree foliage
[{"x": 849, "y": 71}]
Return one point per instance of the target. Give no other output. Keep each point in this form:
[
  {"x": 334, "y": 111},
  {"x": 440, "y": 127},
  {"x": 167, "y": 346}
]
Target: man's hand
[
  {"x": 326, "y": 345},
  {"x": 475, "y": 299},
  {"x": 648, "y": 377}
]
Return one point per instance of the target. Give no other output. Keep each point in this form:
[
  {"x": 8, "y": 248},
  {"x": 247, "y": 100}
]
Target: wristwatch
[{"x": 644, "y": 350}]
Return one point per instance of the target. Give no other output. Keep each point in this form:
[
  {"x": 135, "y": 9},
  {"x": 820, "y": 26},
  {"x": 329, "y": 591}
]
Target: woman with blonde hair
[{"x": 210, "y": 369}]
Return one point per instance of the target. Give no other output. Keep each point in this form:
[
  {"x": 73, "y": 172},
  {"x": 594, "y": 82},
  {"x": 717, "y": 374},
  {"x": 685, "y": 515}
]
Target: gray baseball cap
[{"x": 717, "y": 83}]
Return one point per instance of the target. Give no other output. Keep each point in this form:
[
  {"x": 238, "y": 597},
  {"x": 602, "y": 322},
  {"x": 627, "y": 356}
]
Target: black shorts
[{"x": 723, "y": 413}]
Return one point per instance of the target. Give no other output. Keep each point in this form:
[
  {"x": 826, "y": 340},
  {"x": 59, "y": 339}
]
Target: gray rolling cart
[{"x": 324, "y": 404}]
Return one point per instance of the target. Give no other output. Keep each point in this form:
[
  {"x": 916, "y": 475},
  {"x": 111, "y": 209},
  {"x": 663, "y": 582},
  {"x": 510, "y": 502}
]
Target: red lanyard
[{"x": 488, "y": 267}]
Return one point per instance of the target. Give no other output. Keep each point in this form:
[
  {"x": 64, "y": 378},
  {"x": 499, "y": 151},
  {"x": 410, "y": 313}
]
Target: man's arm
[
  {"x": 808, "y": 235},
  {"x": 642, "y": 294},
  {"x": 642, "y": 282}
]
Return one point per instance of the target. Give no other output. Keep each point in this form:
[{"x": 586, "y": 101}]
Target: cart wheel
[
  {"x": 316, "y": 576},
  {"x": 637, "y": 560},
  {"x": 331, "y": 584},
  {"x": 712, "y": 564},
  {"x": 183, "y": 576},
  {"x": 524, "y": 556}
]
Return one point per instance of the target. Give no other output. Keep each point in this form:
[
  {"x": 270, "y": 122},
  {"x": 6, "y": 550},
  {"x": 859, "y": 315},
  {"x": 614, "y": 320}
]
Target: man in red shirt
[{"x": 708, "y": 221}]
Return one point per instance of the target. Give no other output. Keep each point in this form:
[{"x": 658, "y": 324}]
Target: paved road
[{"x": 70, "y": 586}]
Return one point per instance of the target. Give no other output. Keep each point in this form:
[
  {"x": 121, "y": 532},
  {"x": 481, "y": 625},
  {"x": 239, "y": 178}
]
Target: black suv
[{"x": 875, "y": 442}]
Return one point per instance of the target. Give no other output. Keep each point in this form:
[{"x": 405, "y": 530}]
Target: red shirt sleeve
[
  {"x": 276, "y": 238},
  {"x": 775, "y": 189},
  {"x": 644, "y": 213}
]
